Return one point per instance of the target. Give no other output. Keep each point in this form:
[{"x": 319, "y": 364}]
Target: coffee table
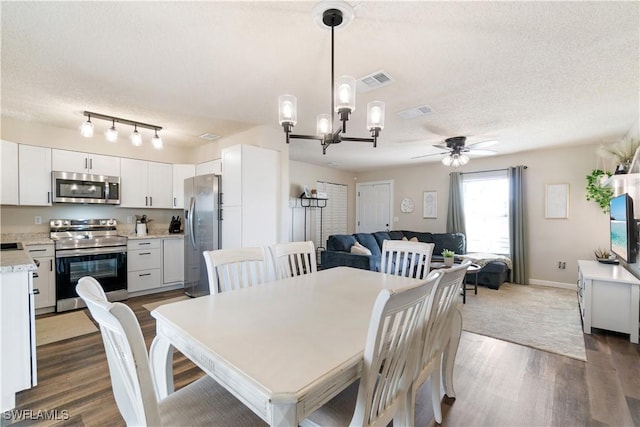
[{"x": 473, "y": 269}]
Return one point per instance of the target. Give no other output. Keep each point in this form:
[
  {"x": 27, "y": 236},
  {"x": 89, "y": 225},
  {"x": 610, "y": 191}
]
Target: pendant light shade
[
  {"x": 345, "y": 93},
  {"x": 375, "y": 115},
  {"x": 136, "y": 138},
  {"x": 323, "y": 124},
  {"x": 112, "y": 133},
  {"x": 86, "y": 129},
  {"x": 288, "y": 109},
  {"x": 156, "y": 141}
]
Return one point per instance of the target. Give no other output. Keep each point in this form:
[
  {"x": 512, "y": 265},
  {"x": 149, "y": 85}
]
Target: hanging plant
[{"x": 596, "y": 192}]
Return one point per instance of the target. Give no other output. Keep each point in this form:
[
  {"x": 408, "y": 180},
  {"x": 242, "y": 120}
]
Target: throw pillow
[
  {"x": 413, "y": 239},
  {"x": 404, "y": 239},
  {"x": 357, "y": 248}
]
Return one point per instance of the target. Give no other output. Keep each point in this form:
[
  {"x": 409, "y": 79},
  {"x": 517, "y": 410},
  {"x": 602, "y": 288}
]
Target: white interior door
[{"x": 373, "y": 206}]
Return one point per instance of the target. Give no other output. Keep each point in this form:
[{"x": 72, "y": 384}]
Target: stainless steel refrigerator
[{"x": 201, "y": 230}]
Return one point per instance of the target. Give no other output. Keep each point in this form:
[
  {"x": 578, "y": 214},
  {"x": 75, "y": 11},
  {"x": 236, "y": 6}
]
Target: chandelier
[
  {"x": 86, "y": 129},
  {"x": 343, "y": 97}
]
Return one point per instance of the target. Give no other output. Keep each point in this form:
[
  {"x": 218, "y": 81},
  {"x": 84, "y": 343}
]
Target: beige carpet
[
  {"x": 535, "y": 316},
  {"x": 153, "y": 305},
  {"x": 63, "y": 326}
]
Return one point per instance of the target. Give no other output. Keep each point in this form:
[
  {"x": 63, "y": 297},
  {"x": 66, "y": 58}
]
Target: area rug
[
  {"x": 63, "y": 326},
  {"x": 153, "y": 305},
  {"x": 541, "y": 317}
]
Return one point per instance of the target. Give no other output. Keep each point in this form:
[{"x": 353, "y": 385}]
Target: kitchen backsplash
[{"x": 22, "y": 219}]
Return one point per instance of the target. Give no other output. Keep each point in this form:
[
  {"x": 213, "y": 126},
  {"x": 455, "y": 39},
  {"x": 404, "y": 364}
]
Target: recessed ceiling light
[
  {"x": 209, "y": 136},
  {"x": 412, "y": 113}
]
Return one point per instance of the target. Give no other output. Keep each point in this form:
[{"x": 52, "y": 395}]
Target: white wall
[{"x": 550, "y": 240}]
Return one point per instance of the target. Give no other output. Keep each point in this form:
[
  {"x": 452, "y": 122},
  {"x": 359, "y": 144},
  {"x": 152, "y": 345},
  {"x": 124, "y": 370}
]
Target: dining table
[{"x": 283, "y": 348}]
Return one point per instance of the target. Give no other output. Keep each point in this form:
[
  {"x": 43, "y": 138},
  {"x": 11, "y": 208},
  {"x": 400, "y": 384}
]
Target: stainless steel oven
[{"x": 88, "y": 248}]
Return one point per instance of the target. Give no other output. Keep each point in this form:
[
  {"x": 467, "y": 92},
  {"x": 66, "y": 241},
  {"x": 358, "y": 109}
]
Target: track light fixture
[
  {"x": 112, "y": 133},
  {"x": 343, "y": 93}
]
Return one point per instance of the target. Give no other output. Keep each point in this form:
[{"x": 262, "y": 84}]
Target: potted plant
[
  {"x": 595, "y": 190},
  {"x": 448, "y": 257}
]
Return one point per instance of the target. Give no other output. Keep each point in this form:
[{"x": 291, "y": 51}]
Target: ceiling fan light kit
[
  {"x": 457, "y": 148},
  {"x": 343, "y": 92},
  {"x": 111, "y": 135}
]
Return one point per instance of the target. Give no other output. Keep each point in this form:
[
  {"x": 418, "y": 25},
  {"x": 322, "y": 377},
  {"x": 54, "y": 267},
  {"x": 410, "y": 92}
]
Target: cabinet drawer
[
  {"x": 144, "y": 259},
  {"x": 143, "y": 280},
  {"x": 144, "y": 244},
  {"x": 39, "y": 251}
]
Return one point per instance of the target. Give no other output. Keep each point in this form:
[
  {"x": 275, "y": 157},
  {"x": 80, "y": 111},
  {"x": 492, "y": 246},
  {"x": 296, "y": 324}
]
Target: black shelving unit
[{"x": 313, "y": 203}]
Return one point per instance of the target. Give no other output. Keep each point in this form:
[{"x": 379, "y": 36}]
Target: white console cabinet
[{"x": 609, "y": 298}]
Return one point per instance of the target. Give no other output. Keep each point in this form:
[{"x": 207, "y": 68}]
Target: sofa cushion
[
  {"x": 357, "y": 248},
  {"x": 381, "y": 236},
  {"x": 340, "y": 242},
  {"x": 396, "y": 235},
  {"x": 367, "y": 240},
  {"x": 453, "y": 241}
]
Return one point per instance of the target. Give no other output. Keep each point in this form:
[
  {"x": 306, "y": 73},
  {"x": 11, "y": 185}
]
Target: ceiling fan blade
[
  {"x": 441, "y": 146},
  {"x": 480, "y": 152},
  {"x": 428, "y": 155},
  {"x": 483, "y": 144}
]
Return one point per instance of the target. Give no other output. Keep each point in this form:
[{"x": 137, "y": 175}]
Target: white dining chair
[
  {"x": 390, "y": 356},
  {"x": 231, "y": 269},
  {"x": 202, "y": 403},
  {"x": 435, "y": 336},
  {"x": 405, "y": 258},
  {"x": 294, "y": 258}
]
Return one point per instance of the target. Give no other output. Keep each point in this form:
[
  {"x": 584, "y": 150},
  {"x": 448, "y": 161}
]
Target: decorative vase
[{"x": 448, "y": 261}]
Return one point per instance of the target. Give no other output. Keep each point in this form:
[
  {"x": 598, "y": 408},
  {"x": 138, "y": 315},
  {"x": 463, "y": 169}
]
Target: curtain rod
[{"x": 490, "y": 170}]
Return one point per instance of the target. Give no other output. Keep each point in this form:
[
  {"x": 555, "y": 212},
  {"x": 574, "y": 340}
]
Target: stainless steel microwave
[{"x": 71, "y": 187}]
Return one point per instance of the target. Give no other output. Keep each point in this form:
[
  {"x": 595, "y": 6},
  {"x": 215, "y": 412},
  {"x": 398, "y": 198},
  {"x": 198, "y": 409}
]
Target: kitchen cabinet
[
  {"x": 250, "y": 196},
  {"x": 144, "y": 264},
  {"x": 213, "y": 166},
  {"x": 17, "y": 336},
  {"x": 34, "y": 175},
  {"x": 180, "y": 173},
  {"x": 173, "y": 260},
  {"x": 9, "y": 184},
  {"x": 609, "y": 298},
  {"x": 146, "y": 184},
  {"x": 95, "y": 164},
  {"x": 44, "y": 278}
]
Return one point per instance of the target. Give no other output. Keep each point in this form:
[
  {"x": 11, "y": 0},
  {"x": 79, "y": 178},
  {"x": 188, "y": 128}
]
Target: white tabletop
[{"x": 281, "y": 339}]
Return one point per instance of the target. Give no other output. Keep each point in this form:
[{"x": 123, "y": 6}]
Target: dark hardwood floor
[{"x": 497, "y": 383}]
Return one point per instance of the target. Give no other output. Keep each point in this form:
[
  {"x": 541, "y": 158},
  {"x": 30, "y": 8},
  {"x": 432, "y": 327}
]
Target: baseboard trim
[{"x": 570, "y": 286}]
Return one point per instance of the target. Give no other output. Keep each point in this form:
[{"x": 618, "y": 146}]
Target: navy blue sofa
[{"x": 337, "y": 254}]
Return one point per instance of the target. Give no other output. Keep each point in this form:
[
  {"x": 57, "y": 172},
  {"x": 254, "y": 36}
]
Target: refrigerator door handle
[{"x": 192, "y": 236}]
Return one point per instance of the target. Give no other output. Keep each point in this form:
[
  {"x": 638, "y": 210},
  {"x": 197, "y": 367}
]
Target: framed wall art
[
  {"x": 556, "y": 201},
  {"x": 430, "y": 204}
]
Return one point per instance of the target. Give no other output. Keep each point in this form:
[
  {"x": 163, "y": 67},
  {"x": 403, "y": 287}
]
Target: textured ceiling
[{"x": 530, "y": 74}]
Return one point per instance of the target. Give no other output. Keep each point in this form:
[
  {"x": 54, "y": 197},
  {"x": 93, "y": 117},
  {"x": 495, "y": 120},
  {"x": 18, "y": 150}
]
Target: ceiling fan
[{"x": 456, "y": 149}]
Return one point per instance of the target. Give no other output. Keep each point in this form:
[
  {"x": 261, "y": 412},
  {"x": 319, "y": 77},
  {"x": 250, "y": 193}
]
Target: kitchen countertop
[
  {"x": 153, "y": 235},
  {"x": 14, "y": 261}
]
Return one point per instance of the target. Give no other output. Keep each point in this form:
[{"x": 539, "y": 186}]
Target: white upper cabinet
[
  {"x": 95, "y": 164},
  {"x": 9, "y": 174},
  {"x": 34, "y": 166},
  {"x": 180, "y": 173},
  {"x": 146, "y": 184},
  {"x": 213, "y": 166}
]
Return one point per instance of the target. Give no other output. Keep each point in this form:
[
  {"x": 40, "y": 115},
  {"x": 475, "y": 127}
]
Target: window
[{"x": 486, "y": 210}]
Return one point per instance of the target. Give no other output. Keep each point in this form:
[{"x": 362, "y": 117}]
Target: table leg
[
  {"x": 475, "y": 288},
  {"x": 161, "y": 362},
  {"x": 283, "y": 411},
  {"x": 464, "y": 290},
  {"x": 450, "y": 352}
]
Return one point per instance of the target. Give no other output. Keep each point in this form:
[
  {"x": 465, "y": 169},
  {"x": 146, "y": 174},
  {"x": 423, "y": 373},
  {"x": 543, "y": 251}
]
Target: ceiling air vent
[
  {"x": 412, "y": 113},
  {"x": 209, "y": 136},
  {"x": 374, "y": 81}
]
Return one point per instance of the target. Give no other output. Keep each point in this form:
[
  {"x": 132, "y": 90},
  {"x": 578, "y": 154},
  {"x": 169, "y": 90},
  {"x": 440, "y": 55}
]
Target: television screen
[{"x": 622, "y": 228}]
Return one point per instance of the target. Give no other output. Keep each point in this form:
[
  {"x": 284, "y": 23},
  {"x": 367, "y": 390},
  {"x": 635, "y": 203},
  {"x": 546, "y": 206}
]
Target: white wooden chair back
[
  {"x": 390, "y": 354},
  {"x": 294, "y": 258},
  {"x": 405, "y": 258},
  {"x": 231, "y": 269},
  {"x": 131, "y": 377},
  {"x": 436, "y": 332}
]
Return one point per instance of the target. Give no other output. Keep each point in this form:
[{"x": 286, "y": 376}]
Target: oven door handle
[{"x": 67, "y": 253}]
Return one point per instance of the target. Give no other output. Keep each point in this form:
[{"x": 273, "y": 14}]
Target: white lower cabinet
[
  {"x": 173, "y": 260},
  {"x": 44, "y": 278},
  {"x": 144, "y": 264}
]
